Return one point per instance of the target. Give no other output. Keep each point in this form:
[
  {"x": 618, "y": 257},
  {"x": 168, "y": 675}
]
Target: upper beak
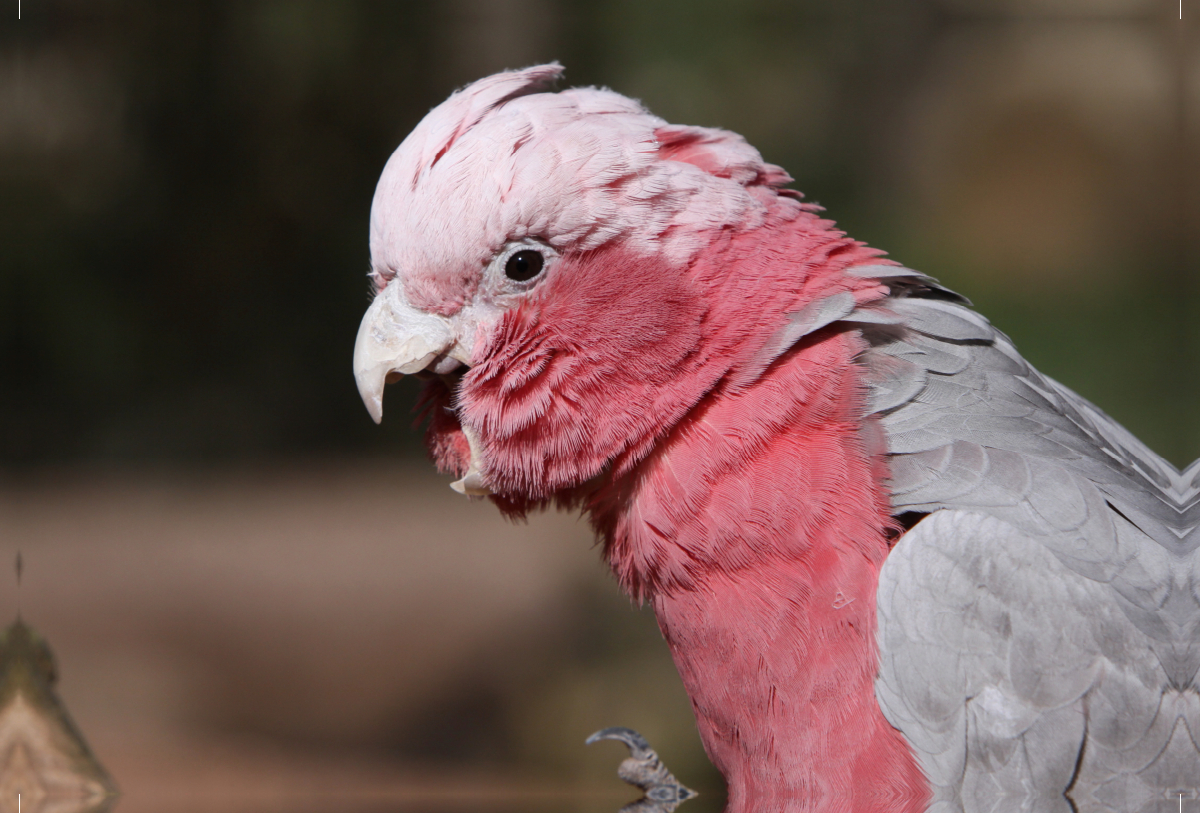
[{"x": 395, "y": 337}]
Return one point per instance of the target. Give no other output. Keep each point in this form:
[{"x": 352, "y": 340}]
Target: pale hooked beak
[{"x": 395, "y": 337}]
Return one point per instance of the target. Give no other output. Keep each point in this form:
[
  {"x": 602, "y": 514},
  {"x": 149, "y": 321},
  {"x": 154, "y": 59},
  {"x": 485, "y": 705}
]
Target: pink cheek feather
[{"x": 588, "y": 368}]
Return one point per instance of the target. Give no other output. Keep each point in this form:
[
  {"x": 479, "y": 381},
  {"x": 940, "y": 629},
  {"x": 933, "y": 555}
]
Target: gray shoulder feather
[{"x": 942, "y": 375}]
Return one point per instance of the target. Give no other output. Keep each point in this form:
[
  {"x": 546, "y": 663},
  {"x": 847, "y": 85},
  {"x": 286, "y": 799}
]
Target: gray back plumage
[{"x": 1039, "y": 629}]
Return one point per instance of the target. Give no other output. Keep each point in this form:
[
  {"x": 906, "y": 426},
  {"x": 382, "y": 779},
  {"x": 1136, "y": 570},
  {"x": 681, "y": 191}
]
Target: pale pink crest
[{"x": 501, "y": 160}]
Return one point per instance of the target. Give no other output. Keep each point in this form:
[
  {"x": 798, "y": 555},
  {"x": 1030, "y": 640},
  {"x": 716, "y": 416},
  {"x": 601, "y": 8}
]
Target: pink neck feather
[
  {"x": 759, "y": 548},
  {"x": 757, "y": 529}
]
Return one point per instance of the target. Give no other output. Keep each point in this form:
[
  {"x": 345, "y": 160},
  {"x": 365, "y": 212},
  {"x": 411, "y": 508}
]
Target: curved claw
[
  {"x": 636, "y": 742},
  {"x": 643, "y": 769}
]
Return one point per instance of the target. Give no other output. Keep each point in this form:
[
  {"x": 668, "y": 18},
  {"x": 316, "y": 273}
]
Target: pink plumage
[
  {"x": 636, "y": 320},
  {"x": 735, "y": 490}
]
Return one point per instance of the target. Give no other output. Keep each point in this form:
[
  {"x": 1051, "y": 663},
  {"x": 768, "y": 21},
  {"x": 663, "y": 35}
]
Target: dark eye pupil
[{"x": 524, "y": 265}]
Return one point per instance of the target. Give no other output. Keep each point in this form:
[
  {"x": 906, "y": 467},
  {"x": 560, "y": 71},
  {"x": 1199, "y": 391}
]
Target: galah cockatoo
[{"x": 898, "y": 569}]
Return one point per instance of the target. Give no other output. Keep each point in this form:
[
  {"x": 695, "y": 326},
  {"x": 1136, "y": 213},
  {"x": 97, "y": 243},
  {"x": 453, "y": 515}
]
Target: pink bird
[{"x": 898, "y": 569}]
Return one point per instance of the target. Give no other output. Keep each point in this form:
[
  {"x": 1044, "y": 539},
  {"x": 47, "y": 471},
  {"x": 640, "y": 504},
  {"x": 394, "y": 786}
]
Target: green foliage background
[{"x": 184, "y": 190}]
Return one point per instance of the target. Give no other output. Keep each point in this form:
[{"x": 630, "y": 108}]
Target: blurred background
[{"x": 258, "y": 597}]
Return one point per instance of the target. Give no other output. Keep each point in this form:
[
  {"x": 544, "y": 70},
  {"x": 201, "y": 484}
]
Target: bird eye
[{"x": 524, "y": 265}]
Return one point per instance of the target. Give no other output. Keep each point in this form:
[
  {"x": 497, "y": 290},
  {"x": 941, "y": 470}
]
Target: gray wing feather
[
  {"x": 1018, "y": 681},
  {"x": 894, "y": 381},
  {"x": 945, "y": 319},
  {"x": 977, "y": 388},
  {"x": 1040, "y": 630},
  {"x": 937, "y": 357}
]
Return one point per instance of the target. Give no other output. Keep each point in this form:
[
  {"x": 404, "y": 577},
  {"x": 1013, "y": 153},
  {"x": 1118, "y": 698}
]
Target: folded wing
[{"x": 1039, "y": 628}]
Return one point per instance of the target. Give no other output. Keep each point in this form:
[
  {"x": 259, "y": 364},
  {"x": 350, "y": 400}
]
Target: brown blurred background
[{"x": 257, "y": 596}]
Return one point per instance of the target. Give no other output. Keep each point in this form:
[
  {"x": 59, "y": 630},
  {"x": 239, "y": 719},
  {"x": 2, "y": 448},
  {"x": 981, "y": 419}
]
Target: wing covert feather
[
  {"x": 1039, "y": 630},
  {"x": 988, "y": 640}
]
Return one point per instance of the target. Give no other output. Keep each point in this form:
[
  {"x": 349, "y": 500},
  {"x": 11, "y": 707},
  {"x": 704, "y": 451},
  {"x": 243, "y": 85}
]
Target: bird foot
[{"x": 645, "y": 770}]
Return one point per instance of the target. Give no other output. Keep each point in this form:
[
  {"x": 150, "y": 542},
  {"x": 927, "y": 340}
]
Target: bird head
[{"x": 538, "y": 257}]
